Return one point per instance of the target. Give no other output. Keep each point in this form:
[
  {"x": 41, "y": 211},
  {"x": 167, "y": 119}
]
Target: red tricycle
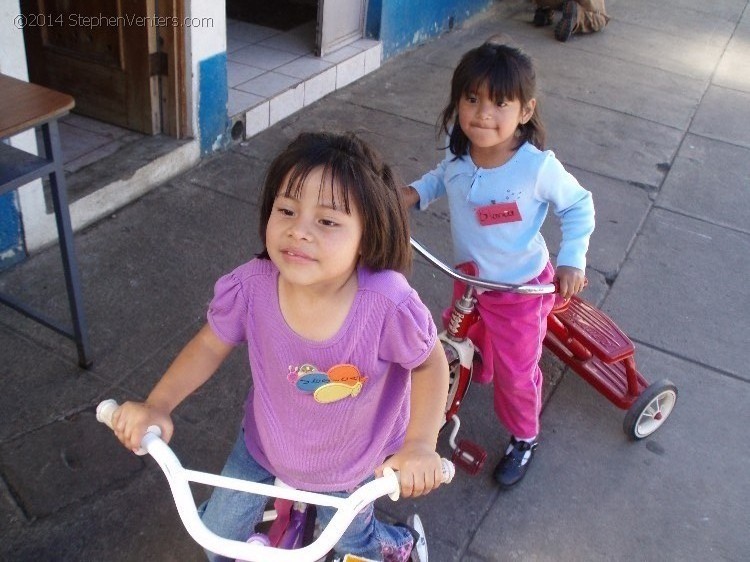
[{"x": 579, "y": 334}]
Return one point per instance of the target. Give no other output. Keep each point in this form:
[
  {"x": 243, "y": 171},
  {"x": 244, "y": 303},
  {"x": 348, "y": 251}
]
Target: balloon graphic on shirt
[
  {"x": 345, "y": 374},
  {"x": 297, "y": 372},
  {"x": 339, "y": 382},
  {"x": 334, "y": 391},
  {"x": 311, "y": 382}
]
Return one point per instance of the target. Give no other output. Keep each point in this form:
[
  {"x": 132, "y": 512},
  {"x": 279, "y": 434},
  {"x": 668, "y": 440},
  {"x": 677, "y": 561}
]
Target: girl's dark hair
[
  {"x": 364, "y": 178},
  {"x": 509, "y": 74}
]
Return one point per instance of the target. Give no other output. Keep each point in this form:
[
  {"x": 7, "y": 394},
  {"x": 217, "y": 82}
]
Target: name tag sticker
[{"x": 498, "y": 213}]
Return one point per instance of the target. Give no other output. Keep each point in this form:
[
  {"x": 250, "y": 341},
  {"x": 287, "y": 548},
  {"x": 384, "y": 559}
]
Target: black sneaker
[
  {"x": 513, "y": 466},
  {"x": 542, "y": 17},
  {"x": 564, "y": 28}
]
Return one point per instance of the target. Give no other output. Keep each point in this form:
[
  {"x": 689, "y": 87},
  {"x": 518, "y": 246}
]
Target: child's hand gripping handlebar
[{"x": 180, "y": 477}]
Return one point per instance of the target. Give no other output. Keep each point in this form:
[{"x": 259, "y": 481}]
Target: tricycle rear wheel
[{"x": 650, "y": 410}]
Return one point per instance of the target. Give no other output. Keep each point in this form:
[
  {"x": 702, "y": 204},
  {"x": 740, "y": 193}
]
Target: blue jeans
[{"x": 234, "y": 515}]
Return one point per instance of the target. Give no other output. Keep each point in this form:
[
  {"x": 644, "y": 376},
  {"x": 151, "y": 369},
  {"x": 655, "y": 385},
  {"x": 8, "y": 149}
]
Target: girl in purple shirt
[{"x": 347, "y": 376}]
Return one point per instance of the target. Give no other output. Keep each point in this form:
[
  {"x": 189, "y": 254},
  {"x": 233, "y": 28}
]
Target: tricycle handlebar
[
  {"x": 543, "y": 289},
  {"x": 179, "y": 479}
]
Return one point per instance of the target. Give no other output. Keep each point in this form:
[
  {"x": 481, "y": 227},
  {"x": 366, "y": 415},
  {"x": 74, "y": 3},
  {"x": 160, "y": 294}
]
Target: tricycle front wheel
[{"x": 650, "y": 410}]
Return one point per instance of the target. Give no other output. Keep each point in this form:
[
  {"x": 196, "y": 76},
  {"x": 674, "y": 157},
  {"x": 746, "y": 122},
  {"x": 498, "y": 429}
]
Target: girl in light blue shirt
[{"x": 500, "y": 183}]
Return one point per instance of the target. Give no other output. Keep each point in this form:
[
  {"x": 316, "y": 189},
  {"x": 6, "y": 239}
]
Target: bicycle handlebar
[
  {"x": 543, "y": 289},
  {"x": 179, "y": 479}
]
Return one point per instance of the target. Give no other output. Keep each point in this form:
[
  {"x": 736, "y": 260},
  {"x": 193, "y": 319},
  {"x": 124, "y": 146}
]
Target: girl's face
[
  {"x": 312, "y": 243},
  {"x": 490, "y": 125}
]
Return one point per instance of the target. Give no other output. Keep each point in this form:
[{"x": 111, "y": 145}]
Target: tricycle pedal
[{"x": 469, "y": 456}]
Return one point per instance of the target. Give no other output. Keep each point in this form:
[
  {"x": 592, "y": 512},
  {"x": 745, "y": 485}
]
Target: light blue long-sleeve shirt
[{"x": 512, "y": 252}]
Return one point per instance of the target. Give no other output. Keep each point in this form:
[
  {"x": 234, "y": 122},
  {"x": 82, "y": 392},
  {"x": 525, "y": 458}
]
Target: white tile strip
[
  {"x": 320, "y": 85},
  {"x": 349, "y": 70},
  {"x": 357, "y": 60},
  {"x": 257, "y": 119},
  {"x": 287, "y": 103}
]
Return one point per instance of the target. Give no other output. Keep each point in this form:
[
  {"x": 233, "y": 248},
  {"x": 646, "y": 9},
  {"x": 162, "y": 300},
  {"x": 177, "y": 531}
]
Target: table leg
[{"x": 51, "y": 136}]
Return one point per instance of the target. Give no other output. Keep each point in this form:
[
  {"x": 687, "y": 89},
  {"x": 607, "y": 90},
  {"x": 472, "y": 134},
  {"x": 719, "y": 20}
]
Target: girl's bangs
[
  {"x": 333, "y": 173},
  {"x": 501, "y": 83}
]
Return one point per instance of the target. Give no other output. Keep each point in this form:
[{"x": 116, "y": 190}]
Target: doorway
[
  {"x": 120, "y": 63},
  {"x": 275, "y": 47},
  {"x": 337, "y": 22},
  {"x": 282, "y": 15}
]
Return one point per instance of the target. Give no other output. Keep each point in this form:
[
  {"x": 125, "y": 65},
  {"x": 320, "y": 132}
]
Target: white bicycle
[{"x": 290, "y": 533}]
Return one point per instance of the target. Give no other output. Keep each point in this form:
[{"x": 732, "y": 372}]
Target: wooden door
[
  {"x": 339, "y": 22},
  {"x": 100, "y": 53}
]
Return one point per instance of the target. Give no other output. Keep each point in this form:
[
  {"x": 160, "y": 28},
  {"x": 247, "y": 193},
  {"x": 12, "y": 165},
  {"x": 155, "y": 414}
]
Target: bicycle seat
[{"x": 595, "y": 330}]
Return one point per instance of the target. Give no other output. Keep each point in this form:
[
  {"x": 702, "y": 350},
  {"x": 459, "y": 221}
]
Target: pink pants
[{"x": 511, "y": 345}]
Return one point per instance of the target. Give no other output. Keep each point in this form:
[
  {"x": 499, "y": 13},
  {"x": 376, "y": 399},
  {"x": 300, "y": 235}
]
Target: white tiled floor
[{"x": 272, "y": 74}]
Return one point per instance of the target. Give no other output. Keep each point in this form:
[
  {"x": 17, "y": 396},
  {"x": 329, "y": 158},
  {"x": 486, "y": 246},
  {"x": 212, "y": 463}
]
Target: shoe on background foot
[
  {"x": 564, "y": 28},
  {"x": 419, "y": 550},
  {"x": 542, "y": 17},
  {"x": 513, "y": 466}
]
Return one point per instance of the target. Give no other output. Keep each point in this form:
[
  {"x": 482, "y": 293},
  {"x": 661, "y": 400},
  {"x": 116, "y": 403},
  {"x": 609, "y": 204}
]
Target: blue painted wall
[
  {"x": 212, "y": 103},
  {"x": 400, "y": 24},
  {"x": 11, "y": 239}
]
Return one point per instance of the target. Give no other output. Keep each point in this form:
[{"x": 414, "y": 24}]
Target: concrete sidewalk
[{"x": 652, "y": 115}]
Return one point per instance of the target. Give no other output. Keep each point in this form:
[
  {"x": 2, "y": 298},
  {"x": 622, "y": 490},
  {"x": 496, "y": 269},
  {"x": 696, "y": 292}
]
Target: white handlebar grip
[
  {"x": 448, "y": 470},
  {"x": 104, "y": 412},
  {"x": 156, "y": 430},
  {"x": 106, "y": 409}
]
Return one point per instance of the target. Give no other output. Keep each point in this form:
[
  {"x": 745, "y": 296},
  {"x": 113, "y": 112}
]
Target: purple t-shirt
[{"x": 325, "y": 446}]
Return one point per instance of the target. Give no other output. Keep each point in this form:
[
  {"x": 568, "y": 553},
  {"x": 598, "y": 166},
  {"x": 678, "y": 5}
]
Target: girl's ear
[{"x": 528, "y": 111}]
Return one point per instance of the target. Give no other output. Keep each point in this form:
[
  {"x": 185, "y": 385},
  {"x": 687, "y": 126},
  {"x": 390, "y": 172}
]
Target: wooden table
[{"x": 26, "y": 106}]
